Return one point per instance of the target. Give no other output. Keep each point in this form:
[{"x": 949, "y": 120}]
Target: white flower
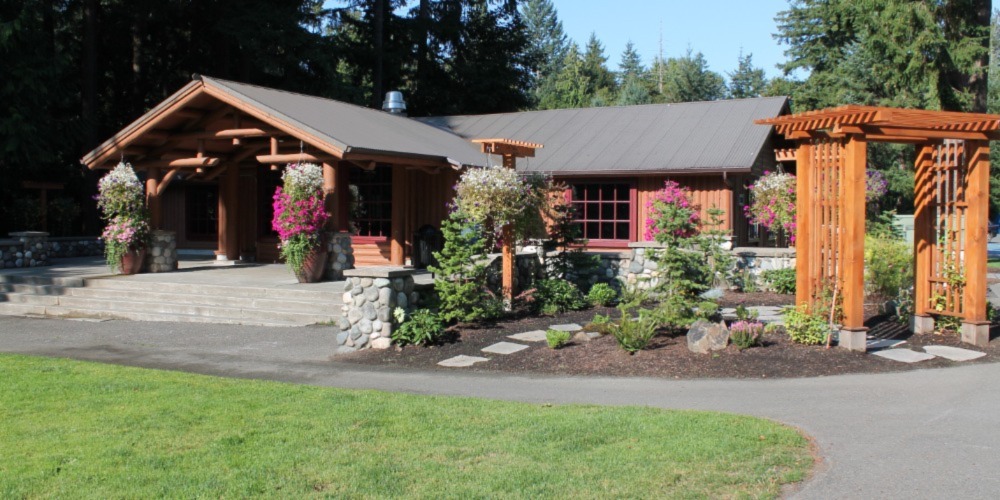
[{"x": 307, "y": 177}]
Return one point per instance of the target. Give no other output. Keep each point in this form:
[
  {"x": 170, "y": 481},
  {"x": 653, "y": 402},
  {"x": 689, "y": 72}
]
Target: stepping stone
[
  {"x": 532, "y": 336},
  {"x": 904, "y": 355},
  {"x": 504, "y": 348},
  {"x": 883, "y": 343},
  {"x": 462, "y": 361},
  {"x": 569, "y": 327},
  {"x": 954, "y": 353},
  {"x": 586, "y": 336}
]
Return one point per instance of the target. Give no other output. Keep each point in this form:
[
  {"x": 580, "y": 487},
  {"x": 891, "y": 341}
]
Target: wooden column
[
  {"x": 330, "y": 194},
  {"x": 923, "y": 234},
  {"x": 396, "y": 248},
  {"x": 153, "y": 203},
  {"x": 342, "y": 195},
  {"x": 975, "y": 327},
  {"x": 507, "y": 248},
  {"x": 852, "y": 208},
  {"x": 804, "y": 231},
  {"x": 229, "y": 186}
]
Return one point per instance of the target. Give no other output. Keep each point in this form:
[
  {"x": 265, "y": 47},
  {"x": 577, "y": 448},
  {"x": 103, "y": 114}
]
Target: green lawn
[
  {"x": 993, "y": 263},
  {"x": 76, "y": 429}
]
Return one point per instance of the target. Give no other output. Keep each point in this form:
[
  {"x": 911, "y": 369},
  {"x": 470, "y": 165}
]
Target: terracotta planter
[
  {"x": 314, "y": 266},
  {"x": 131, "y": 262}
]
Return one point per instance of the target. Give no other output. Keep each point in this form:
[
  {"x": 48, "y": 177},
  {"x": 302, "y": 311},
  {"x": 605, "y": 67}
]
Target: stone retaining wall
[
  {"x": 25, "y": 249},
  {"x": 162, "y": 256},
  {"x": 371, "y": 296},
  {"x": 74, "y": 246}
]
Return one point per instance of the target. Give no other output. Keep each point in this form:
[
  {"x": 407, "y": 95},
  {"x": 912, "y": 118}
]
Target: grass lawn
[
  {"x": 77, "y": 429},
  {"x": 993, "y": 263}
]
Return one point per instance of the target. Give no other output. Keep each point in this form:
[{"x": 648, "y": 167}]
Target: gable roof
[
  {"x": 691, "y": 137},
  {"x": 327, "y": 124}
]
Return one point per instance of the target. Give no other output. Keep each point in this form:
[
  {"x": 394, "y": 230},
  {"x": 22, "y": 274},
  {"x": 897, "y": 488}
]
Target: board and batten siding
[{"x": 706, "y": 192}]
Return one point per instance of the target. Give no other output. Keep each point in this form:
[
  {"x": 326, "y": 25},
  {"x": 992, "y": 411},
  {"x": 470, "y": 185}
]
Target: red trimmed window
[
  {"x": 604, "y": 211},
  {"x": 371, "y": 202}
]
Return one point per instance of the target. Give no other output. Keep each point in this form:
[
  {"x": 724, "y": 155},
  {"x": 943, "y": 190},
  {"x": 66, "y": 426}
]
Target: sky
[{"x": 716, "y": 28}]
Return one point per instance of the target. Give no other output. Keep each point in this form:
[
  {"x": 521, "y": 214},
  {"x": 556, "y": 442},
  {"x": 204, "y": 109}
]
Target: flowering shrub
[
  {"x": 876, "y": 185},
  {"x": 299, "y": 212},
  {"x": 773, "y": 203},
  {"x": 671, "y": 214},
  {"x": 746, "y": 334},
  {"x": 496, "y": 196},
  {"x": 120, "y": 198}
]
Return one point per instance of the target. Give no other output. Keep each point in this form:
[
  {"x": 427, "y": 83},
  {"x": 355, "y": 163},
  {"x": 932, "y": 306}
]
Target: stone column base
[
  {"x": 855, "y": 339},
  {"x": 976, "y": 333},
  {"x": 162, "y": 254},
  {"x": 922, "y": 324}
]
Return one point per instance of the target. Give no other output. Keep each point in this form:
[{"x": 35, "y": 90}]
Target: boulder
[
  {"x": 585, "y": 336},
  {"x": 705, "y": 336},
  {"x": 381, "y": 343}
]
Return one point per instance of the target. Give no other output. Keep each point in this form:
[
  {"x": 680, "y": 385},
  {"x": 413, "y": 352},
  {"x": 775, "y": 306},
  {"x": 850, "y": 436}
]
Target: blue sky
[{"x": 716, "y": 28}]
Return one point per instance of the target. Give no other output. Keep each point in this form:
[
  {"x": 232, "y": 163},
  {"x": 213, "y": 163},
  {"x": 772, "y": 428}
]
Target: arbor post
[
  {"x": 853, "y": 334},
  {"x": 507, "y": 249},
  {"x": 804, "y": 231},
  {"x": 923, "y": 229},
  {"x": 975, "y": 326}
]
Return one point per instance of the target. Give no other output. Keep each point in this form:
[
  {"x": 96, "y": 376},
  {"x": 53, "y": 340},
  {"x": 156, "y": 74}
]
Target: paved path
[{"x": 920, "y": 434}]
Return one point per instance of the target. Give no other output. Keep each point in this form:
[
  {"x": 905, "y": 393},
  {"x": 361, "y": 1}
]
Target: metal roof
[
  {"x": 353, "y": 128},
  {"x": 691, "y": 137}
]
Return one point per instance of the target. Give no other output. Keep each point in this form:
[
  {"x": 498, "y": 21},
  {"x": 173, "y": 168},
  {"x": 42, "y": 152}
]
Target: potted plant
[
  {"x": 299, "y": 216},
  {"x": 126, "y": 235}
]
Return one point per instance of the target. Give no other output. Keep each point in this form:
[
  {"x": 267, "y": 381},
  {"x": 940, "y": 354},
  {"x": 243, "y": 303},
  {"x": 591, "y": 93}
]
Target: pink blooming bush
[
  {"x": 299, "y": 213},
  {"x": 672, "y": 215},
  {"x": 121, "y": 201},
  {"x": 773, "y": 203}
]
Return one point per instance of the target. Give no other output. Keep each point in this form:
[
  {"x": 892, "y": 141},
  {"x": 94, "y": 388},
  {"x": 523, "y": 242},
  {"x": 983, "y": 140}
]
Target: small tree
[{"x": 461, "y": 273}]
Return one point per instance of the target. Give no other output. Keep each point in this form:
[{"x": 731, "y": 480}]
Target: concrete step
[
  {"x": 14, "y": 279},
  {"x": 243, "y": 315},
  {"x": 29, "y": 299},
  {"x": 216, "y": 290},
  {"x": 332, "y": 301},
  {"x": 66, "y": 312},
  {"x": 32, "y": 289},
  {"x": 16, "y": 309}
]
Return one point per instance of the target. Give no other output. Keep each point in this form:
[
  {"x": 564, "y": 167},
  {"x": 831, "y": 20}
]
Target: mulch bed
[{"x": 667, "y": 356}]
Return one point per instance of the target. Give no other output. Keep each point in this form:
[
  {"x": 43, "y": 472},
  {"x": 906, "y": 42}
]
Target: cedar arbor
[
  {"x": 951, "y": 217},
  {"x": 212, "y": 127}
]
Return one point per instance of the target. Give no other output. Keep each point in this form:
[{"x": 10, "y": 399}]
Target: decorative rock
[
  {"x": 397, "y": 284},
  {"x": 369, "y": 312},
  {"x": 586, "y": 336},
  {"x": 381, "y": 343},
  {"x": 705, "y": 336},
  {"x": 342, "y": 337},
  {"x": 353, "y": 315},
  {"x": 359, "y": 300},
  {"x": 362, "y": 341},
  {"x": 386, "y": 329},
  {"x": 348, "y": 297},
  {"x": 377, "y": 325},
  {"x": 381, "y": 282},
  {"x": 345, "y": 349},
  {"x": 371, "y": 294},
  {"x": 384, "y": 296},
  {"x": 365, "y": 326},
  {"x": 366, "y": 282},
  {"x": 401, "y": 300},
  {"x": 349, "y": 342},
  {"x": 355, "y": 332},
  {"x": 344, "y": 323},
  {"x": 384, "y": 314},
  {"x": 357, "y": 290}
]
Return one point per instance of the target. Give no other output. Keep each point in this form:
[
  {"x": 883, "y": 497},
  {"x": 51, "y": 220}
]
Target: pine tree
[
  {"x": 688, "y": 79},
  {"x": 601, "y": 80},
  {"x": 547, "y": 45},
  {"x": 460, "y": 274},
  {"x": 746, "y": 81},
  {"x": 569, "y": 89},
  {"x": 632, "y": 78},
  {"x": 630, "y": 66}
]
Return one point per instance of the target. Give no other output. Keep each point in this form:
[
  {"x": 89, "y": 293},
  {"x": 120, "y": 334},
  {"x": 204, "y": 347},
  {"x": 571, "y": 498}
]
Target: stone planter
[
  {"x": 314, "y": 266},
  {"x": 131, "y": 262}
]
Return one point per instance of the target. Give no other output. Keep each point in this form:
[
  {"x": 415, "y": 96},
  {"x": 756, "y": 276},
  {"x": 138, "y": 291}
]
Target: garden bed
[{"x": 667, "y": 355}]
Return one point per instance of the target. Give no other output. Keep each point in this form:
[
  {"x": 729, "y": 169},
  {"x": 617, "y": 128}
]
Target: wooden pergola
[{"x": 951, "y": 210}]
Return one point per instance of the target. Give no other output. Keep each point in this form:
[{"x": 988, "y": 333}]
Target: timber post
[
  {"x": 975, "y": 325},
  {"x": 853, "y": 334},
  {"x": 923, "y": 234}
]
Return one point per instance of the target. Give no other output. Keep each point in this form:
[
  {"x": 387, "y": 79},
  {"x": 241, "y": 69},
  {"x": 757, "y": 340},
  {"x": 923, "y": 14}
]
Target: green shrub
[
  {"x": 600, "y": 324},
  {"x": 888, "y": 266},
  {"x": 460, "y": 276},
  {"x": 780, "y": 280},
  {"x": 746, "y": 334},
  {"x": 805, "y": 327},
  {"x": 601, "y": 294},
  {"x": 634, "y": 335},
  {"x": 423, "y": 327},
  {"x": 555, "y": 296},
  {"x": 556, "y": 338},
  {"x": 707, "y": 310},
  {"x": 745, "y": 314},
  {"x": 745, "y": 280}
]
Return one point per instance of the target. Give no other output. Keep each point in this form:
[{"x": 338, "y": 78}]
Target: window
[
  {"x": 371, "y": 201},
  {"x": 603, "y": 210},
  {"x": 202, "y": 212}
]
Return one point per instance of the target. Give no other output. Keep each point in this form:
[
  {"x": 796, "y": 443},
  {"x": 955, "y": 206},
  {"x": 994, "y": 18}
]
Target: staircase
[{"x": 110, "y": 298}]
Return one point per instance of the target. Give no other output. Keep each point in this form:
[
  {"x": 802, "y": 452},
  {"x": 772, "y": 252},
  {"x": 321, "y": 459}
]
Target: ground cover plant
[
  {"x": 556, "y": 338},
  {"x": 76, "y": 429}
]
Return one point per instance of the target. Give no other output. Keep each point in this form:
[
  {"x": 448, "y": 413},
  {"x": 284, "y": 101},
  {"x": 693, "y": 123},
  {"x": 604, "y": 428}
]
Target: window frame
[
  {"x": 633, "y": 211},
  {"x": 387, "y": 192}
]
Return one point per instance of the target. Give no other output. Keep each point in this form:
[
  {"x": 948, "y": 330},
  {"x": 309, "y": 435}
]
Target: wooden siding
[{"x": 707, "y": 192}]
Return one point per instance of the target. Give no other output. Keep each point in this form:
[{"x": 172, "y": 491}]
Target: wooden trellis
[{"x": 951, "y": 198}]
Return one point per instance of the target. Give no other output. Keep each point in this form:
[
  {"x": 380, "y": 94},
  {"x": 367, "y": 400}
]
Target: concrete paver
[
  {"x": 568, "y": 327},
  {"x": 904, "y": 355},
  {"x": 954, "y": 353},
  {"x": 504, "y": 348},
  {"x": 532, "y": 336},
  {"x": 462, "y": 361}
]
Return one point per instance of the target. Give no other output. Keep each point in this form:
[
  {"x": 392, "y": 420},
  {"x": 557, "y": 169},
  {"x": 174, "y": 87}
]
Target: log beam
[
  {"x": 166, "y": 181},
  {"x": 226, "y": 134},
  {"x": 179, "y": 163},
  {"x": 153, "y": 198},
  {"x": 294, "y": 158}
]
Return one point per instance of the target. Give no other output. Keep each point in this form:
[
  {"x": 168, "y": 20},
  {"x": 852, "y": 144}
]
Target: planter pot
[
  {"x": 314, "y": 265},
  {"x": 131, "y": 262}
]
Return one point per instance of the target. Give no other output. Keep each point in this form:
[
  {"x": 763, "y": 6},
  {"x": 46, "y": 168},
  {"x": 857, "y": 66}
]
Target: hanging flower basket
[
  {"x": 299, "y": 216},
  {"x": 127, "y": 232}
]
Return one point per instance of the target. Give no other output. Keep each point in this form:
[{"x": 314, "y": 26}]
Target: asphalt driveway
[{"x": 919, "y": 434}]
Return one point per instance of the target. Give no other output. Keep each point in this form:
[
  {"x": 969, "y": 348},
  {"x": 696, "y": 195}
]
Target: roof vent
[{"x": 394, "y": 103}]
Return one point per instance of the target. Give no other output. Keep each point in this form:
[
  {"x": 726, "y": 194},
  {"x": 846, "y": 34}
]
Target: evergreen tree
[
  {"x": 630, "y": 66},
  {"x": 601, "y": 80},
  {"x": 633, "y": 88},
  {"x": 746, "y": 81},
  {"x": 570, "y": 88},
  {"x": 460, "y": 274},
  {"x": 547, "y": 42},
  {"x": 688, "y": 79}
]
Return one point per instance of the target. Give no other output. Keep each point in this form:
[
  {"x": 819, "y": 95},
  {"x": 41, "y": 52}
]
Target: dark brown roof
[{"x": 708, "y": 136}]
